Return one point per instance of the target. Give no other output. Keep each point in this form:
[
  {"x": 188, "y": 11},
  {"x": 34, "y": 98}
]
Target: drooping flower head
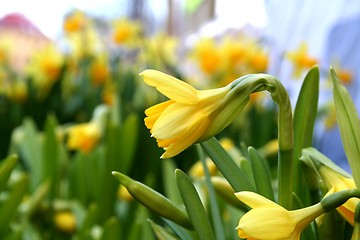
[
  {"x": 190, "y": 115},
  {"x": 269, "y": 221}
]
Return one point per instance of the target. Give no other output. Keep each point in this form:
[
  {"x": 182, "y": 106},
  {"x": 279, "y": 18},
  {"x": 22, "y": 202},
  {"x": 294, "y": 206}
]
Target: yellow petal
[
  {"x": 266, "y": 223},
  {"x": 154, "y": 112},
  {"x": 255, "y": 200},
  {"x": 184, "y": 141},
  {"x": 176, "y": 119},
  {"x": 171, "y": 87},
  {"x": 158, "y": 108}
]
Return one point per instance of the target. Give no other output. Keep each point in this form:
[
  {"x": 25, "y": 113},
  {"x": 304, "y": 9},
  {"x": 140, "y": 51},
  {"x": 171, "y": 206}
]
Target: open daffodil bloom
[
  {"x": 268, "y": 220},
  {"x": 189, "y": 115}
]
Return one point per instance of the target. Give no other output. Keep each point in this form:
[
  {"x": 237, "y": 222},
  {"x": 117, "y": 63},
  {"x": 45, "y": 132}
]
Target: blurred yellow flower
[
  {"x": 235, "y": 52},
  {"x": 330, "y": 116},
  {"x": 19, "y": 91},
  {"x": 208, "y": 56},
  {"x": 125, "y": 31},
  {"x": 83, "y": 137},
  {"x": 301, "y": 60},
  {"x": 44, "y": 68},
  {"x": 159, "y": 51},
  {"x": 190, "y": 115},
  {"x": 345, "y": 76},
  {"x": 75, "y": 22},
  {"x": 197, "y": 169},
  {"x": 258, "y": 60},
  {"x": 109, "y": 93},
  {"x": 99, "y": 70},
  {"x": 269, "y": 221},
  {"x": 65, "y": 221},
  {"x": 336, "y": 182}
]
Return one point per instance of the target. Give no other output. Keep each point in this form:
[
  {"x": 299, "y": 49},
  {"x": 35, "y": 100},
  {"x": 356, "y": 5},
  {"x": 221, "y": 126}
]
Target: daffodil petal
[
  {"x": 154, "y": 112},
  {"x": 175, "y": 119},
  {"x": 255, "y": 200},
  {"x": 171, "y": 87},
  {"x": 185, "y": 140},
  {"x": 158, "y": 108}
]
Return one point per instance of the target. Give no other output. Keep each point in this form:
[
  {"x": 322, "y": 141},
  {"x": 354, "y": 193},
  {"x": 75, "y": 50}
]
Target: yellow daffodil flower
[
  {"x": 75, "y": 22},
  {"x": 258, "y": 59},
  {"x": 159, "y": 51},
  {"x": 44, "y": 68},
  {"x": 99, "y": 70},
  {"x": 189, "y": 115},
  {"x": 197, "y": 169},
  {"x": 65, "y": 221},
  {"x": 337, "y": 182},
  {"x": 83, "y": 137},
  {"x": 269, "y": 221},
  {"x": 125, "y": 31},
  {"x": 301, "y": 60},
  {"x": 207, "y": 56}
]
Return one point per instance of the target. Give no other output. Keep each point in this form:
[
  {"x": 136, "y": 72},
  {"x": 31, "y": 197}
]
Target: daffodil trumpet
[
  {"x": 270, "y": 221},
  {"x": 191, "y": 116}
]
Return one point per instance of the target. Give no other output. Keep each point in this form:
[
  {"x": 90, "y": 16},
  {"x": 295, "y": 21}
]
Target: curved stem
[{"x": 260, "y": 82}]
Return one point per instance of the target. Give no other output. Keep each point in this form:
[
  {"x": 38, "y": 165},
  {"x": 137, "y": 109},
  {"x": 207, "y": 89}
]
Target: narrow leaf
[
  {"x": 261, "y": 173},
  {"x": 9, "y": 207},
  {"x": 227, "y": 166},
  {"x": 349, "y": 125},
  {"x": 6, "y": 167},
  {"x": 304, "y": 120},
  {"x": 194, "y": 206}
]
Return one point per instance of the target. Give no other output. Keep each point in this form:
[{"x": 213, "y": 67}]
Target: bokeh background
[{"x": 72, "y": 102}]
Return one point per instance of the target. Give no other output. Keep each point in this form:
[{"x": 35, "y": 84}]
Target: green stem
[{"x": 260, "y": 82}]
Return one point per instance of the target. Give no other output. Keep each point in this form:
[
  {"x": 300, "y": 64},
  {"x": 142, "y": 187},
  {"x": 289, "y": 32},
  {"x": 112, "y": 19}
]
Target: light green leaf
[
  {"x": 6, "y": 167},
  {"x": 349, "y": 125},
  {"x": 9, "y": 206},
  {"x": 161, "y": 232}
]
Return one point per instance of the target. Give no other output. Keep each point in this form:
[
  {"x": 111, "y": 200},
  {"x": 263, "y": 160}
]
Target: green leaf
[
  {"x": 153, "y": 200},
  {"x": 6, "y": 167},
  {"x": 161, "y": 232},
  {"x": 31, "y": 149},
  {"x": 9, "y": 206},
  {"x": 126, "y": 142},
  {"x": 111, "y": 229},
  {"x": 315, "y": 159},
  {"x": 51, "y": 157},
  {"x": 181, "y": 232},
  {"x": 349, "y": 125},
  {"x": 227, "y": 166},
  {"x": 214, "y": 207},
  {"x": 304, "y": 120},
  {"x": 88, "y": 221},
  {"x": 169, "y": 181},
  {"x": 261, "y": 173},
  {"x": 194, "y": 206}
]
